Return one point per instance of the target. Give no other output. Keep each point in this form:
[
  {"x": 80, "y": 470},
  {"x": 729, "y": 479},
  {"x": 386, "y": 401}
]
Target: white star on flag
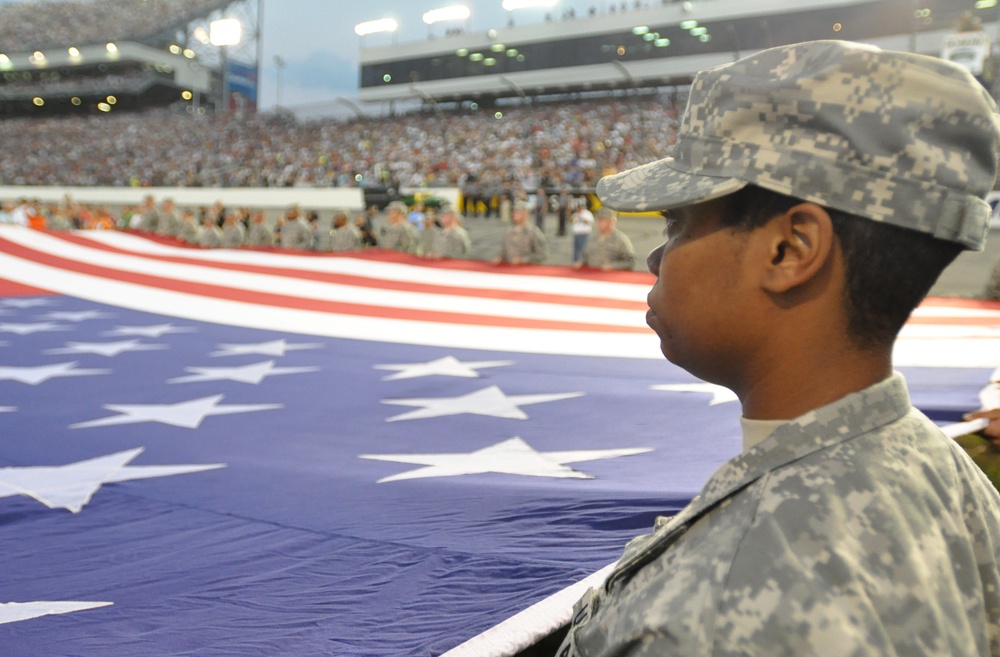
[
  {"x": 187, "y": 414},
  {"x": 71, "y": 486},
  {"x": 447, "y": 366},
  {"x": 36, "y": 327},
  {"x": 42, "y": 373},
  {"x": 12, "y": 612},
  {"x": 489, "y": 401},
  {"x": 512, "y": 456},
  {"x": 79, "y": 316},
  {"x": 24, "y": 303},
  {"x": 109, "y": 349},
  {"x": 246, "y": 374},
  {"x": 273, "y": 348},
  {"x": 151, "y": 331},
  {"x": 719, "y": 394}
]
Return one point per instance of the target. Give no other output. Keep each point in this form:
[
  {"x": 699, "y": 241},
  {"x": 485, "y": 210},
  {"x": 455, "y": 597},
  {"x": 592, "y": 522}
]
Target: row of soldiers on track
[{"x": 430, "y": 232}]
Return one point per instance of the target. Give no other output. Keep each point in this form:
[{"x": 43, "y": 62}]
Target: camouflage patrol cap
[{"x": 906, "y": 139}]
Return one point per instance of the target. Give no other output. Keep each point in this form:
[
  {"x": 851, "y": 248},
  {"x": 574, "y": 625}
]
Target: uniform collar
[{"x": 848, "y": 417}]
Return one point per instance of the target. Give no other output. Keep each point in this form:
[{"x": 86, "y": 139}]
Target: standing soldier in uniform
[
  {"x": 260, "y": 233},
  {"x": 344, "y": 236},
  {"x": 451, "y": 240},
  {"x": 233, "y": 233},
  {"x": 609, "y": 248},
  {"x": 398, "y": 234},
  {"x": 295, "y": 232},
  {"x": 523, "y": 243},
  {"x": 815, "y": 193}
]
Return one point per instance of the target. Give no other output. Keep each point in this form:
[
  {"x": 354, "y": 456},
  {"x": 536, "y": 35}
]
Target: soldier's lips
[{"x": 651, "y": 319}]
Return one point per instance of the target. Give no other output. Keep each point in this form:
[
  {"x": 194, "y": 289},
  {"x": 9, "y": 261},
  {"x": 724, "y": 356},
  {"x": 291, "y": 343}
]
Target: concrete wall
[{"x": 312, "y": 198}]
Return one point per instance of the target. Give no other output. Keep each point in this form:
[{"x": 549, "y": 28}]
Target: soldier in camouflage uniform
[
  {"x": 609, "y": 248},
  {"x": 451, "y": 240},
  {"x": 399, "y": 234},
  {"x": 233, "y": 233},
  {"x": 816, "y": 192},
  {"x": 189, "y": 230},
  {"x": 344, "y": 236},
  {"x": 168, "y": 219},
  {"x": 260, "y": 234},
  {"x": 295, "y": 233},
  {"x": 523, "y": 243},
  {"x": 210, "y": 235}
]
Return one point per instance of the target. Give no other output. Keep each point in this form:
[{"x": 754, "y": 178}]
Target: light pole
[{"x": 279, "y": 64}]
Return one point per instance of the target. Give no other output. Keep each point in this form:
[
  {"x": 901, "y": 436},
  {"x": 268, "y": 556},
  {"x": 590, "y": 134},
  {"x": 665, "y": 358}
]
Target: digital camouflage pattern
[
  {"x": 345, "y": 238},
  {"x": 614, "y": 251},
  {"x": 526, "y": 242},
  {"x": 400, "y": 237},
  {"x": 896, "y": 137},
  {"x": 858, "y": 529},
  {"x": 450, "y": 243}
]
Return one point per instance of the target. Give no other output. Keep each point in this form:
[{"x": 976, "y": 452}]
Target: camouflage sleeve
[{"x": 882, "y": 541}]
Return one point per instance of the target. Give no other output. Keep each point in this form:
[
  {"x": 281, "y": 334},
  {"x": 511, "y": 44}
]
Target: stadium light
[
  {"x": 225, "y": 32},
  {"x": 376, "y": 26},
  {"x": 511, "y": 5},
  {"x": 451, "y": 13},
  {"x": 111, "y": 48},
  {"x": 73, "y": 51}
]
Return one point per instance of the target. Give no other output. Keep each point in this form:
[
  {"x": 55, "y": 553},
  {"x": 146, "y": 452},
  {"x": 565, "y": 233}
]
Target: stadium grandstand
[
  {"x": 85, "y": 56},
  {"x": 563, "y": 101},
  {"x": 648, "y": 47}
]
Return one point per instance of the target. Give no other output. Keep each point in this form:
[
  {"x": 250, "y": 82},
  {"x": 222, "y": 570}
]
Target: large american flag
[{"x": 261, "y": 453}]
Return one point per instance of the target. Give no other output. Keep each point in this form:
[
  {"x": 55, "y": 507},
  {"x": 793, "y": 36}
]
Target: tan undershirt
[{"x": 755, "y": 431}]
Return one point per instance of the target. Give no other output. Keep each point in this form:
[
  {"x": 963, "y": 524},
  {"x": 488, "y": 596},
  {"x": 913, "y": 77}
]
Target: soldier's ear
[{"x": 799, "y": 243}]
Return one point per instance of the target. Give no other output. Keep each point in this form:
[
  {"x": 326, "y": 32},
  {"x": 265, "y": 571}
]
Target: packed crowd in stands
[
  {"x": 527, "y": 146},
  {"x": 26, "y": 26}
]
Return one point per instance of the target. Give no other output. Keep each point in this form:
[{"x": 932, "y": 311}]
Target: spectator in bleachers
[{"x": 544, "y": 144}]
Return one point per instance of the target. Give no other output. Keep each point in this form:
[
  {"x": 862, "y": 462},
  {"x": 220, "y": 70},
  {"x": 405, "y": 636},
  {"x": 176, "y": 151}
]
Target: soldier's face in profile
[{"x": 698, "y": 305}]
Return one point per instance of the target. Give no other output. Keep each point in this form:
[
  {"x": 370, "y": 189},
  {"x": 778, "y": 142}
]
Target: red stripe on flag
[
  {"x": 382, "y": 284},
  {"x": 280, "y": 301}
]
